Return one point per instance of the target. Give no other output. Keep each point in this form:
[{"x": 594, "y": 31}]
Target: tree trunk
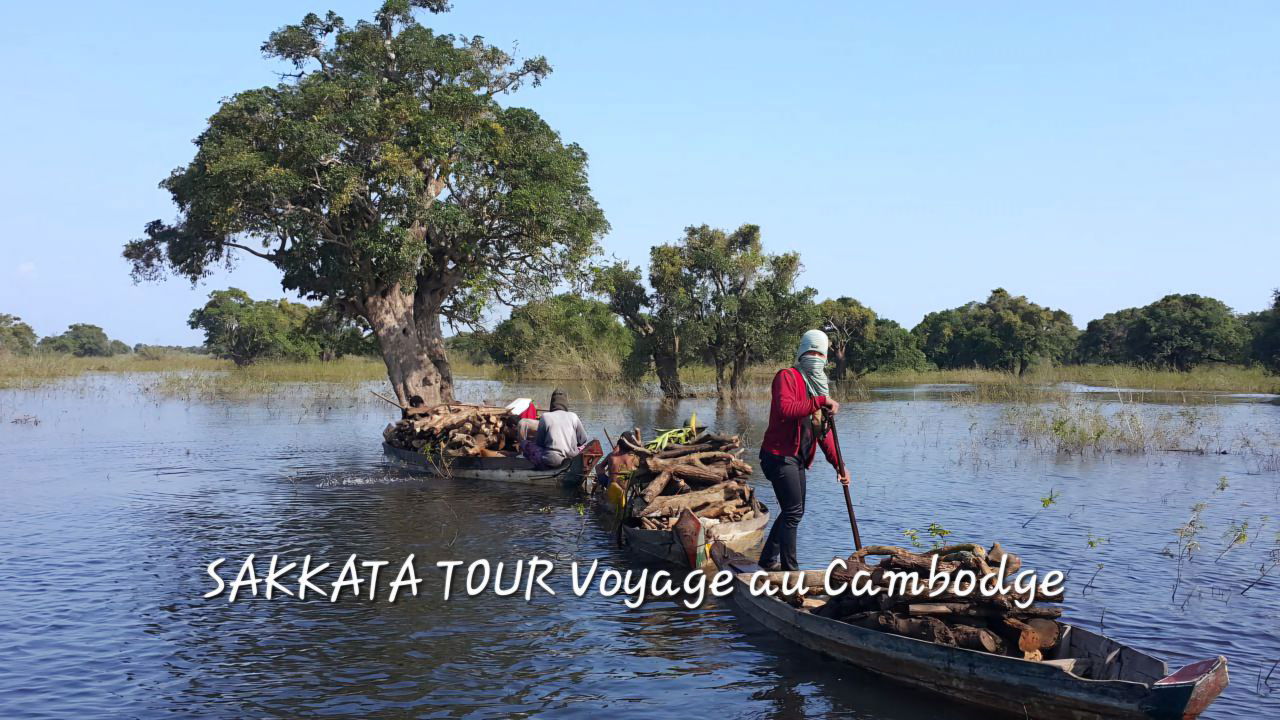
[
  {"x": 736, "y": 373},
  {"x": 839, "y": 357},
  {"x": 412, "y": 345},
  {"x": 666, "y": 365},
  {"x": 720, "y": 389}
]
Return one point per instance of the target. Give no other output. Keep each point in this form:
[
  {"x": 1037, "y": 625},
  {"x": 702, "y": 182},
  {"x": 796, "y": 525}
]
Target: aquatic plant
[
  {"x": 1045, "y": 503},
  {"x": 1236, "y": 534}
]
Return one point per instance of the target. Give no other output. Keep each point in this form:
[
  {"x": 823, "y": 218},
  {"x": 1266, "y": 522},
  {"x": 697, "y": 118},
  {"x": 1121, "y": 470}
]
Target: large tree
[
  {"x": 845, "y": 321},
  {"x": 1005, "y": 332},
  {"x": 16, "y": 337},
  {"x": 544, "y": 331},
  {"x": 244, "y": 330},
  {"x": 1265, "y": 345},
  {"x": 887, "y": 348},
  {"x": 384, "y": 176},
  {"x": 745, "y": 303},
  {"x": 655, "y": 318},
  {"x": 81, "y": 340},
  {"x": 1105, "y": 341},
  {"x": 1182, "y": 331}
]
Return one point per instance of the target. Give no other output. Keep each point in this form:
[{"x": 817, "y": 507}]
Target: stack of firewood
[
  {"x": 705, "y": 475},
  {"x": 991, "y": 624},
  {"x": 454, "y": 430}
]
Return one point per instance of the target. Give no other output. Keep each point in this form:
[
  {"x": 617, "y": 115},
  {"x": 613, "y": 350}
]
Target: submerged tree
[
  {"x": 384, "y": 177},
  {"x": 745, "y": 303},
  {"x": 655, "y": 319}
]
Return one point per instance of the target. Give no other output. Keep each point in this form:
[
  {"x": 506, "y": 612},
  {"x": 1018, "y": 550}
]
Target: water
[{"x": 115, "y": 502}]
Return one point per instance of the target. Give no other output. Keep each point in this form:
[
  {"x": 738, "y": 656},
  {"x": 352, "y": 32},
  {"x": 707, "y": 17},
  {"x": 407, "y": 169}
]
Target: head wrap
[
  {"x": 559, "y": 401},
  {"x": 812, "y": 367}
]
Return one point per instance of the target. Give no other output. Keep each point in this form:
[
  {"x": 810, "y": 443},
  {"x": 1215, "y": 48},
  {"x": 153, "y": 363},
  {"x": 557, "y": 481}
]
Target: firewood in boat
[
  {"x": 1030, "y": 640},
  {"x": 673, "y": 504},
  {"x": 656, "y": 486},
  {"x": 996, "y": 553},
  {"x": 922, "y": 628},
  {"x": 974, "y": 638}
]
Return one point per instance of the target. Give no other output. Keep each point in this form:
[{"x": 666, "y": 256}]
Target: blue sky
[{"x": 1092, "y": 156}]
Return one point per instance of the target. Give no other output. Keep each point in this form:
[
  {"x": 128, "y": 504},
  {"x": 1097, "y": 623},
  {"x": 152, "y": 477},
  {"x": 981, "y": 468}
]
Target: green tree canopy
[
  {"x": 1265, "y": 346},
  {"x": 745, "y": 306},
  {"x": 888, "y": 347},
  {"x": 1005, "y": 332},
  {"x": 544, "y": 330},
  {"x": 81, "y": 340},
  {"x": 245, "y": 330},
  {"x": 656, "y": 319},
  {"x": 1183, "y": 331},
  {"x": 846, "y": 322},
  {"x": 385, "y": 177},
  {"x": 1176, "y": 331},
  {"x": 1105, "y": 341},
  {"x": 16, "y": 337}
]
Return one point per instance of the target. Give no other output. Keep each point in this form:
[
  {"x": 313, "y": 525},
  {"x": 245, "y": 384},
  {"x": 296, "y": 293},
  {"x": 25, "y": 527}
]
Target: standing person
[
  {"x": 796, "y": 428},
  {"x": 560, "y": 434}
]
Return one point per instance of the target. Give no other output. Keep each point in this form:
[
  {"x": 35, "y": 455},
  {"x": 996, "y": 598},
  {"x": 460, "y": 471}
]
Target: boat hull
[
  {"x": 1016, "y": 687},
  {"x": 504, "y": 469}
]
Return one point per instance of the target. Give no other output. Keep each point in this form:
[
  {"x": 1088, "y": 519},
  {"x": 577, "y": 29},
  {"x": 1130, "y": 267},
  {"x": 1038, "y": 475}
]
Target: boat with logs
[
  {"x": 509, "y": 469},
  {"x": 1087, "y": 677}
]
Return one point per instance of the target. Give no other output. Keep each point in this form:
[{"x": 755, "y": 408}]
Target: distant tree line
[
  {"x": 80, "y": 339},
  {"x": 715, "y": 298},
  {"x": 244, "y": 330}
]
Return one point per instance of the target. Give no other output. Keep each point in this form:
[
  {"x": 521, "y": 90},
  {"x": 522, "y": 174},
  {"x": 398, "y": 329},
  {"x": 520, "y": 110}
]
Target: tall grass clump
[
  {"x": 1078, "y": 427},
  {"x": 43, "y": 367}
]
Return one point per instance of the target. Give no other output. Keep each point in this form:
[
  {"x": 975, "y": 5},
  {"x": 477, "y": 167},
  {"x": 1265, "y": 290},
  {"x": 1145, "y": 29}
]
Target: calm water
[{"x": 114, "y": 503}]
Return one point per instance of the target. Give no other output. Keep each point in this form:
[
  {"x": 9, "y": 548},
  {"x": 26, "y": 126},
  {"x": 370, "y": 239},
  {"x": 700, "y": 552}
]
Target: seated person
[{"x": 559, "y": 435}]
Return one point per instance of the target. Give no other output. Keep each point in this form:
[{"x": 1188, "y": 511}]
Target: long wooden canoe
[
  {"x": 1088, "y": 677},
  {"x": 498, "y": 469}
]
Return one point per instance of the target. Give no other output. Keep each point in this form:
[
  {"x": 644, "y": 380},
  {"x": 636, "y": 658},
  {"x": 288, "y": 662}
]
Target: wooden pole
[
  {"x": 848, "y": 499},
  {"x": 384, "y": 397}
]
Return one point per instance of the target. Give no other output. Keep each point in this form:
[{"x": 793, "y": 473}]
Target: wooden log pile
[
  {"x": 455, "y": 430},
  {"x": 991, "y": 624},
  {"x": 705, "y": 475}
]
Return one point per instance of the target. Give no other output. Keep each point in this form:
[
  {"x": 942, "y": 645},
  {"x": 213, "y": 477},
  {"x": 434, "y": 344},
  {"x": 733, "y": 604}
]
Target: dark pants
[{"x": 787, "y": 476}]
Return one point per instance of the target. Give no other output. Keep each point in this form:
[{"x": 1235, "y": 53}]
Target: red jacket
[{"x": 791, "y": 406}]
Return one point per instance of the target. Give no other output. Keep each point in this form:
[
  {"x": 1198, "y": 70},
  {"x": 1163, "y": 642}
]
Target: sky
[{"x": 1090, "y": 155}]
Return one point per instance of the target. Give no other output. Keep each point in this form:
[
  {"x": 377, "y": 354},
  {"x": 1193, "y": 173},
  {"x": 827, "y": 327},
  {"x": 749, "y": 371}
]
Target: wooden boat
[
  {"x": 498, "y": 469},
  {"x": 1088, "y": 677}
]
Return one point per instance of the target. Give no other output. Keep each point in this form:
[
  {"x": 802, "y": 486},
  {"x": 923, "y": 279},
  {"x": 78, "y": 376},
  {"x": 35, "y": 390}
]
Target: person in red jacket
[{"x": 796, "y": 429}]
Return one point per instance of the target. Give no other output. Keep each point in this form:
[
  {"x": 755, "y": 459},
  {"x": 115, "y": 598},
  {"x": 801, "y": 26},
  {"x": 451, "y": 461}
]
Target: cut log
[
  {"x": 973, "y": 638},
  {"x": 673, "y": 504},
  {"x": 656, "y": 486}
]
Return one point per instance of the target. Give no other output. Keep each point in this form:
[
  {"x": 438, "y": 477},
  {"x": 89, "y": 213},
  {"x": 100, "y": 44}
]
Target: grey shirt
[{"x": 560, "y": 433}]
